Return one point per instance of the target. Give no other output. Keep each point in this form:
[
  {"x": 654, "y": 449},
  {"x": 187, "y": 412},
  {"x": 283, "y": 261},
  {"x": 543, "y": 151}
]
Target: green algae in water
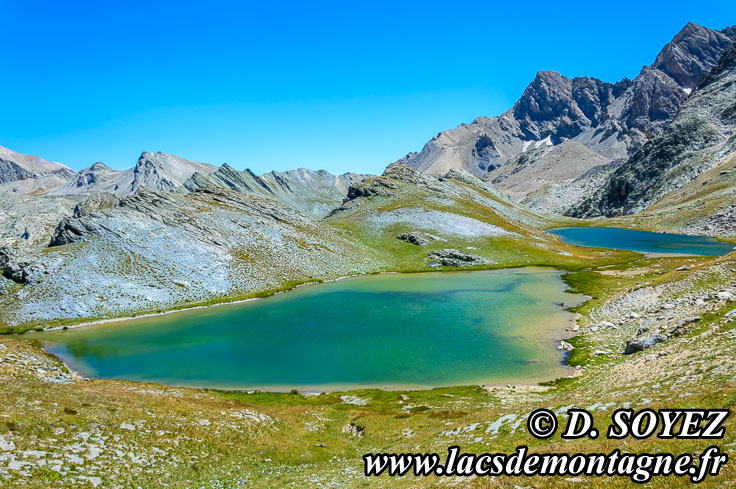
[{"x": 397, "y": 330}]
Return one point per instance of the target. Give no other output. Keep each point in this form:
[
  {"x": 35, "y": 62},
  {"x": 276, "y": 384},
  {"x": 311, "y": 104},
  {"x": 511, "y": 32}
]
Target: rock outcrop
[
  {"x": 418, "y": 238},
  {"x": 639, "y": 344},
  {"x": 456, "y": 258}
]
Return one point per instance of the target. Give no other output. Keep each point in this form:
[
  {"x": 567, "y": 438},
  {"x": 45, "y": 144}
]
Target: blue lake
[
  {"x": 397, "y": 330},
  {"x": 642, "y": 241}
]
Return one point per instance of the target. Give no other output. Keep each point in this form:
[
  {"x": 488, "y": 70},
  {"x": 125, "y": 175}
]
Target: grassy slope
[{"x": 530, "y": 247}]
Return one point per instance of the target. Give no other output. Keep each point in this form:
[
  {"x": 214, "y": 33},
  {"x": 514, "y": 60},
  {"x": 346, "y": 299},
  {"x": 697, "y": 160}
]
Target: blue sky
[{"x": 277, "y": 85}]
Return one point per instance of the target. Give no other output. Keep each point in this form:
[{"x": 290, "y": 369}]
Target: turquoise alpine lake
[
  {"x": 391, "y": 330},
  {"x": 642, "y": 241}
]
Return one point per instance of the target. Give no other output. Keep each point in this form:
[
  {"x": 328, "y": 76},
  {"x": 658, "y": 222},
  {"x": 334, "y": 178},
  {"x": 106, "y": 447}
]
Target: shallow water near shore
[
  {"x": 642, "y": 241},
  {"x": 395, "y": 330}
]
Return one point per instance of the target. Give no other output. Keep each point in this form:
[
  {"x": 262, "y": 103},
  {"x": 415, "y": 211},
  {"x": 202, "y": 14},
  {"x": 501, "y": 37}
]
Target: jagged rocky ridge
[
  {"x": 612, "y": 120},
  {"x": 698, "y": 139},
  {"x": 152, "y": 171},
  {"x": 314, "y": 193}
]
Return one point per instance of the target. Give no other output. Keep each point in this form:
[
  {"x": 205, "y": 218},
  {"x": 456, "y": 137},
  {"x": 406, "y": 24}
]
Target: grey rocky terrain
[
  {"x": 533, "y": 171},
  {"x": 156, "y": 250}
]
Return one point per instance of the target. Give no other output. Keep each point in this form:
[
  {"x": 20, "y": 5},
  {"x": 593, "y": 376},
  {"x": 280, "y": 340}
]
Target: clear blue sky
[{"x": 278, "y": 85}]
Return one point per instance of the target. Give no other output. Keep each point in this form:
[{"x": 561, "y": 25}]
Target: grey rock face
[
  {"x": 639, "y": 344},
  {"x": 96, "y": 202},
  {"x": 611, "y": 119},
  {"x": 693, "y": 143},
  {"x": 28, "y": 221},
  {"x": 456, "y": 258},
  {"x": 10, "y": 172},
  {"x": 693, "y": 53}
]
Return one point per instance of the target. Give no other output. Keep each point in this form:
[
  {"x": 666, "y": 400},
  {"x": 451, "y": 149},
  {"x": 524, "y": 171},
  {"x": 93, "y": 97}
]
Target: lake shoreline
[
  {"x": 564, "y": 330},
  {"x": 149, "y": 315}
]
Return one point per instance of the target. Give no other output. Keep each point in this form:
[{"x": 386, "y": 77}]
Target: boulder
[
  {"x": 456, "y": 258},
  {"x": 418, "y": 238},
  {"x": 353, "y": 429},
  {"x": 565, "y": 346},
  {"x": 639, "y": 344},
  {"x": 726, "y": 296}
]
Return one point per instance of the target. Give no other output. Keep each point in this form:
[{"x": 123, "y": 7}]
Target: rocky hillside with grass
[{"x": 154, "y": 251}]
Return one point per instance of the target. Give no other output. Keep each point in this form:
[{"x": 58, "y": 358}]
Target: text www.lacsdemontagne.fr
[{"x": 639, "y": 467}]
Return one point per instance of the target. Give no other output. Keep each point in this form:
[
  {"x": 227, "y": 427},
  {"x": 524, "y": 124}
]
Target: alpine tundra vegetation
[{"x": 656, "y": 153}]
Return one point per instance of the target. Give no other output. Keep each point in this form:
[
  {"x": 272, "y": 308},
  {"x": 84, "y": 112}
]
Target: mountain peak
[
  {"x": 96, "y": 167},
  {"x": 691, "y": 54}
]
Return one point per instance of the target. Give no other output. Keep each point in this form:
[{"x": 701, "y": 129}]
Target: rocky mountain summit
[
  {"x": 612, "y": 120},
  {"x": 152, "y": 171},
  {"x": 700, "y": 138},
  {"x": 25, "y": 174}
]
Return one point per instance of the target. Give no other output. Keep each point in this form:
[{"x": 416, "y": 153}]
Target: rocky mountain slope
[
  {"x": 25, "y": 174},
  {"x": 612, "y": 120},
  {"x": 314, "y": 193},
  {"x": 699, "y": 139},
  {"x": 152, "y": 171}
]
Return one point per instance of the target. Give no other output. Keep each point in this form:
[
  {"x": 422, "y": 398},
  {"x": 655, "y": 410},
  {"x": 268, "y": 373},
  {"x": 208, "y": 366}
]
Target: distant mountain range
[
  {"x": 153, "y": 171},
  {"x": 581, "y": 146},
  {"x": 30, "y": 174},
  {"x": 314, "y": 193}
]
